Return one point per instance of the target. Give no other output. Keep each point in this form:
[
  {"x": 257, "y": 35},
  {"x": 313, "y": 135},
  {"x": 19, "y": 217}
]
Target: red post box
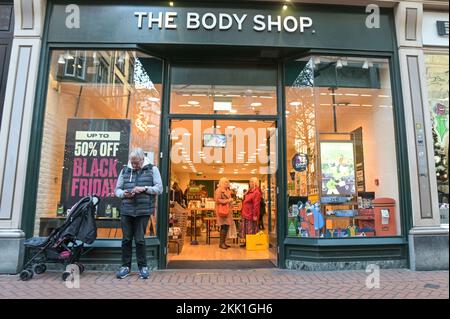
[{"x": 384, "y": 209}]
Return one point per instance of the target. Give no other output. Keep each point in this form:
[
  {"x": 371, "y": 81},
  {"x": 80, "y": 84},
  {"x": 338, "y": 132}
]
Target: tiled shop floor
[{"x": 249, "y": 284}]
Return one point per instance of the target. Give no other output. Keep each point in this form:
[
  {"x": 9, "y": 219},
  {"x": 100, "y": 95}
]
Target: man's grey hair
[{"x": 137, "y": 152}]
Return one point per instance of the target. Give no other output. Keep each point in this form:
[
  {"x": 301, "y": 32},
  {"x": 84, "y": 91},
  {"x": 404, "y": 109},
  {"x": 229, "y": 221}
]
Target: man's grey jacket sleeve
[
  {"x": 119, "y": 186},
  {"x": 157, "y": 187}
]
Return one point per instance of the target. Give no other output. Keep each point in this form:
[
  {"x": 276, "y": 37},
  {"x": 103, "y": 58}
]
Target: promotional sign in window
[
  {"x": 338, "y": 168},
  {"x": 95, "y": 152}
]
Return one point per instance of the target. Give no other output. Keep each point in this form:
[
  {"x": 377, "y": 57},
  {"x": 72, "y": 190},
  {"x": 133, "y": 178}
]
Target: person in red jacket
[{"x": 250, "y": 210}]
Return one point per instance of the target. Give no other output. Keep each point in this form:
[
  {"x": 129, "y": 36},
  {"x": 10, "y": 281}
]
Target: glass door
[{"x": 272, "y": 195}]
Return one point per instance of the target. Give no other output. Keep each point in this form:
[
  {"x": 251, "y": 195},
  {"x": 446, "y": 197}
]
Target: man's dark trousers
[{"x": 134, "y": 227}]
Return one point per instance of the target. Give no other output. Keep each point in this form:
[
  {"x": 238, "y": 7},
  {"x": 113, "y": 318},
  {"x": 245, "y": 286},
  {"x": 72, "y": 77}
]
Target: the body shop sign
[
  {"x": 222, "y": 21},
  {"x": 302, "y": 26}
]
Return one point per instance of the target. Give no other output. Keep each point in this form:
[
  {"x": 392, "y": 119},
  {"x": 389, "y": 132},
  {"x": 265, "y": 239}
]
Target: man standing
[{"x": 138, "y": 185}]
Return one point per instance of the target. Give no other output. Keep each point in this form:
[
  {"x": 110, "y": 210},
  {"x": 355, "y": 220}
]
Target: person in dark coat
[{"x": 138, "y": 185}]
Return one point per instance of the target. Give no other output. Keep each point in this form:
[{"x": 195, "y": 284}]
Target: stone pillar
[
  {"x": 16, "y": 128},
  {"x": 428, "y": 242}
]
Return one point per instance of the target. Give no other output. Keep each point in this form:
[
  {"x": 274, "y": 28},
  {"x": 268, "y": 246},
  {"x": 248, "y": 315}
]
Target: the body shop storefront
[{"x": 305, "y": 98}]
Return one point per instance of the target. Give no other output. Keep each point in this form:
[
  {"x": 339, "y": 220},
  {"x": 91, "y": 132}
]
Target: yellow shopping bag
[{"x": 259, "y": 241}]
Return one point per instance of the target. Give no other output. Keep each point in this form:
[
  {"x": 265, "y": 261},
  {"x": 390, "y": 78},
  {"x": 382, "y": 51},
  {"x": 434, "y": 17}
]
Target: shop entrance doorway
[
  {"x": 203, "y": 152},
  {"x": 222, "y": 124}
]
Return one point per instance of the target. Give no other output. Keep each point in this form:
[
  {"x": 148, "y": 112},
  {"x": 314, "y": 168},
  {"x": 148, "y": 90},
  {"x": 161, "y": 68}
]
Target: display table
[{"x": 208, "y": 228}]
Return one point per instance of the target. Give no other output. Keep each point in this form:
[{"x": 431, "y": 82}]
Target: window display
[
  {"x": 437, "y": 76},
  {"x": 341, "y": 156},
  {"x": 100, "y": 105}
]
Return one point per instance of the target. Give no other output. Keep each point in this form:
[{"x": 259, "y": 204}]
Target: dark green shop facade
[{"x": 334, "y": 66}]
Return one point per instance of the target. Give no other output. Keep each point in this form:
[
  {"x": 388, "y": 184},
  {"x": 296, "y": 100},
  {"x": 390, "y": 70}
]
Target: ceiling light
[
  {"x": 295, "y": 103},
  {"x": 365, "y": 65},
  {"x": 256, "y": 104},
  {"x": 96, "y": 59},
  {"x": 121, "y": 59},
  {"x": 153, "y": 99},
  {"x": 193, "y": 102},
  {"x": 339, "y": 64},
  {"x": 285, "y": 7},
  {"x": 171, "y": 3},
  {"x": 61, "y": 59},
  {"x": 68, "y": 56}
]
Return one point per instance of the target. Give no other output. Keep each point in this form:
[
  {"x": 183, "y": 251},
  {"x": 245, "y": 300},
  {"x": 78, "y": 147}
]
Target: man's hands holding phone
[
  {"x": 134, "y": 191},
  {"x": 128, "y": 194}
]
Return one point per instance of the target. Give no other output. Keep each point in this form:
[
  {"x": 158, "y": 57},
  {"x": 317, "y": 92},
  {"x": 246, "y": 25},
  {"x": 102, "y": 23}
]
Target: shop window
[
  {"x": 99, "y": 106},
  {"x": 437, "y": 78},
  {"x": 226, "y": 90},
  {"x": 341, "y": 154}
]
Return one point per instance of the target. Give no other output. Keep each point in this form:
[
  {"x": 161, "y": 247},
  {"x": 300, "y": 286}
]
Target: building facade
[{"x": 348, "y": 97}]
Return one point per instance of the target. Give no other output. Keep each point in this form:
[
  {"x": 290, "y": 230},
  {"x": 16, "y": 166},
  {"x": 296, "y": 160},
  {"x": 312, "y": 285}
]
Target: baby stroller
[{"x": 65, "y": 244}]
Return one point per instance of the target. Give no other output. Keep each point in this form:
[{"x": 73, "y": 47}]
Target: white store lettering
[{"x": 223, "y": 21}]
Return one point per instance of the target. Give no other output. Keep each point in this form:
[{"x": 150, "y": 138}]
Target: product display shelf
[{"x": 180, "y": 216}]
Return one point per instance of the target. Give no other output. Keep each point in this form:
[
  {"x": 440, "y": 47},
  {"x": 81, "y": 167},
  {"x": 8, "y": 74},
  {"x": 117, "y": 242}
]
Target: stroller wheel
[
  {"x": 80, "y": 267},
  {"x": 65, "y": 275},
  {"x": 26, "y": 275},
  {"x": 39, "y": 268}
]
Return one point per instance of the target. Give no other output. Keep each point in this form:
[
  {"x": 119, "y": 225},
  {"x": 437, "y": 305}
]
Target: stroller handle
[{"x": 95, "y": 200}]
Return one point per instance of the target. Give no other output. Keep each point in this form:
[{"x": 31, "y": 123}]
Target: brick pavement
[{"x": 251, "y": 284}]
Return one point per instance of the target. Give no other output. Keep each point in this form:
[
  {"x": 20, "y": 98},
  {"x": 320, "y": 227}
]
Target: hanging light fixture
[
  {"x": 61, "y": 59},
  {"x": 121, "y": 59},
  {"x": 96, "y": 59},
  {"x": 68, "y": 56},
  {"x": 367, "y": 64}
]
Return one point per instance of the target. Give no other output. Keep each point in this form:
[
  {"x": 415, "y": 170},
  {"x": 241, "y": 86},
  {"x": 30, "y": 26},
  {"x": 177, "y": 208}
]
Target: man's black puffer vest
[{"x": 142, "y": 204}]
